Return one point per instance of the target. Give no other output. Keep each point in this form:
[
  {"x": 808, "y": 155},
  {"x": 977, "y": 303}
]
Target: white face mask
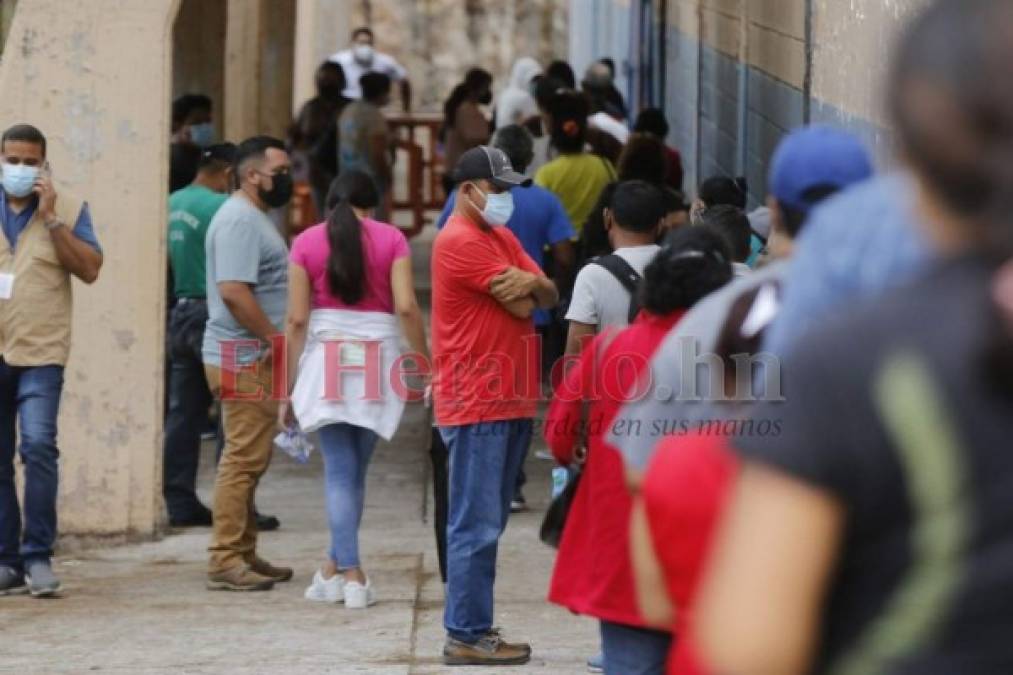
[
  {"x": 363, "y": 53},
  {"x": 498, "y": 208},
  {"x": 19, "y": 179}
]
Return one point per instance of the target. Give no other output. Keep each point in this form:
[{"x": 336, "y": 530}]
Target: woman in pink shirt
[{"x": 350, "y": 286}]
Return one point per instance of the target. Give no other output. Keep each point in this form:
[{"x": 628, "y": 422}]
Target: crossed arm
[{"x": 520, "y": 291}]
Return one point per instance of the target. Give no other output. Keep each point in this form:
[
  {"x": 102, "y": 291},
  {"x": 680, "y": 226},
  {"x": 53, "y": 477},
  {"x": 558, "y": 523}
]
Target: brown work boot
[
  {"x": 262, "y": 567},
  {"x": 490, "y": 650},
  {"x": 239, "y": 578}
]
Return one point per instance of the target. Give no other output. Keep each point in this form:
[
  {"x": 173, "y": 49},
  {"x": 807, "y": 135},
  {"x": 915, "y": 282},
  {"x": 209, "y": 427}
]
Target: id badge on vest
[{"x": 6, "y": 286}]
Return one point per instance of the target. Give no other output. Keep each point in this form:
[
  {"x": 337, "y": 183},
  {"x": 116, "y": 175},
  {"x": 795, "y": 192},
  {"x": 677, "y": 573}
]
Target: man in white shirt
[
  {"x": 600, "y": 299},
  {"x": 362, "y": 58}
]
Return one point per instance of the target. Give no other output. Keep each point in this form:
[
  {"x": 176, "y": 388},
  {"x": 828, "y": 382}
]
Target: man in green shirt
[{"x": 190, "y": 213}]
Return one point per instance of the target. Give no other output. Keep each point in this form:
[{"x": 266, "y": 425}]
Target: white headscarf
[{"x": 515, "y": 104}]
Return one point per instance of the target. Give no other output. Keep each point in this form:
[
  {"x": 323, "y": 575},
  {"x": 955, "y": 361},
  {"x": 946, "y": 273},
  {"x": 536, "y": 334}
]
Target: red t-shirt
[
  {"x": 684, "y": 491},
  {"x": 485, "y": 360},
  {"x": 593, "y": 574}
]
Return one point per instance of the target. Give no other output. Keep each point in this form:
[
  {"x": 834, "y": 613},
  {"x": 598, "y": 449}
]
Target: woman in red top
[
  {"x": 593, "y": 574},
  {"x": 682, "y": 496},
  {"x": 684, "y": 492}
]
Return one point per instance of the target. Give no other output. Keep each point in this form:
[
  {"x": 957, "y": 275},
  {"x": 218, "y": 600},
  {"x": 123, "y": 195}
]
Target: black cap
[{"x": 491, "y": 164}]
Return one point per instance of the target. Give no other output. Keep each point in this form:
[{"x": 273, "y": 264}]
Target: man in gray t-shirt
[
  {"x": 599, "y": 299},
  {"x": 247, "y": 286},
  {"x": 243, "y": 246}
]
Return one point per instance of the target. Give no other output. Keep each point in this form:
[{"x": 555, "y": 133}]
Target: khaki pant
[{"x": 249, "y": 431}]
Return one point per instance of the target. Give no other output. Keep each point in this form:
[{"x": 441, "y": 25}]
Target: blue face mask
[
  {"x": 202, "y": 135},
  {"x": 498, "y": 208},
  {"x": 19, "y": 179}
]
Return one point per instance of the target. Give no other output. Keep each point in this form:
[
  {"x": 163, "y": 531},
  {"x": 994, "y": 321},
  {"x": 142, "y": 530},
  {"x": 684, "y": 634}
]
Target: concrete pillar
[
  {"x": 243, "y": 37},
  {"x": 322, "y": 28},
  {"x": 198, "y": 63},
  {"x": 96, "y": 81},
  {"x": 278, "y": 67},
  {"x": 259, "y": 51},
  {"x": 6, "y": 17}
]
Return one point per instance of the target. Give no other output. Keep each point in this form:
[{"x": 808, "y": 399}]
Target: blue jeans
[
  {"x": 485, "y": 459},
  {"x": 347, "y": 450},
  {"x": 634, "y": 651},
  {"x": 30, "y": 395}
]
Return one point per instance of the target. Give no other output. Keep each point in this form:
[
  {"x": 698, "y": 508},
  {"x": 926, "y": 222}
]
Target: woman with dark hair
[
  {"x": 651, "y": 121},
  {"x": 350, "y": 294},
  {"x": 544, "y": 89},
  {"x": 562, "y": 72},
  {"x": 872, "y": 534},
  {"x": 575, "y": 176},
  {"x": 465, "y": 125},
  {"x": 643, "y": 158},
  {"x": 593, "y": 574}
]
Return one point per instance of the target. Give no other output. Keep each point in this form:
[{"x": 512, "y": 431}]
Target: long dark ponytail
[
  {"x": 346, "y": 266},
  {"x": 953, "y": 109}
]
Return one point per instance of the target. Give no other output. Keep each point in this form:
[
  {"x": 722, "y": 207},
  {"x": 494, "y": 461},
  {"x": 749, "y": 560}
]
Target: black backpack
[{"x": 625, "y": 275}]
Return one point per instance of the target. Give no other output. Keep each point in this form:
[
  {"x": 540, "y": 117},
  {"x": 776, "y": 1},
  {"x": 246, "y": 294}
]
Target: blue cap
[{"x": 816, "y": 156}]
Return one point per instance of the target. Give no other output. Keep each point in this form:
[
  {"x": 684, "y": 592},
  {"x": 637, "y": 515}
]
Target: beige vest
[{"x": 35, "y": 322}]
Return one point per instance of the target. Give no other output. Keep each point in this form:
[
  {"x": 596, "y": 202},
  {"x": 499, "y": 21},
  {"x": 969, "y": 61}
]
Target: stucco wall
[
  {"x": 682, "y": 90},
  {"x": 852, "y": 45},
  {"x": 741, "y": 73},
  {"x": 198, "y": 59},
  {"x": 598, "y": 28},
  {"x": 322, "y": 28},
  {"x": 438, "y": 40},
  {"x": 259, "y": 62},
  {"x": 96, "y": 81}
]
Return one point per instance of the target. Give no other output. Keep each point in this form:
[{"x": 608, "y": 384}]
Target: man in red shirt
[{"x": 485, "y": 389}]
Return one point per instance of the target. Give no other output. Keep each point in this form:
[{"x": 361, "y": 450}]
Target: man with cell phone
[{"x": 44, "y": 239}]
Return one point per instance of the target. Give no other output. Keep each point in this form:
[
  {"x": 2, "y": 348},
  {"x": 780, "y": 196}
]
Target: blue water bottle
[{"x": 560, "y": 477}]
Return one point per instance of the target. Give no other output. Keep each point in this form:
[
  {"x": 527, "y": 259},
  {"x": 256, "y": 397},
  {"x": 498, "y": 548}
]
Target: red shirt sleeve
[
  {"x": 563, "y": 420},
  {"x": 473, "y": 263},
  {"x": 684, "y": 492}
]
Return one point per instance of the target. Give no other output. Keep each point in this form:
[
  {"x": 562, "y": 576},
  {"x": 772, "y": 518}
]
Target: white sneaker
[
  {"x": 358, "y": 596},
  {"x": 326, "y": 590}
]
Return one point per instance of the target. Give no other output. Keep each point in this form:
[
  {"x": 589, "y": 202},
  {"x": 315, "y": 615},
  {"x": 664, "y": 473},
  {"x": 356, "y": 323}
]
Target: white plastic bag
[{"x": 294, "y": 443}]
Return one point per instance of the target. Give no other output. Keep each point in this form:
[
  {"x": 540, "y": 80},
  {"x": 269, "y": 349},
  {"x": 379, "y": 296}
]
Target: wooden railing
[{"x": 417, "y": 135}]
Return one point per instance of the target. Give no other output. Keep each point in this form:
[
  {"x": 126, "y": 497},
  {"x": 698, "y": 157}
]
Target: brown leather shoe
[
  {"x": 490, "y": 650},
  {"x": 239, "y": 578},
  {"x": 262, "y": 567}
]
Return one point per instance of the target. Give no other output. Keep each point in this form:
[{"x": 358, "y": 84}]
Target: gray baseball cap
[{"x": 487, "y": 163}]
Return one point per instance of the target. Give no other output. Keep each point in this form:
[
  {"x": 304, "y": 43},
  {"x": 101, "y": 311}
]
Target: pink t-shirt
[{"x": 382, "y": 244}]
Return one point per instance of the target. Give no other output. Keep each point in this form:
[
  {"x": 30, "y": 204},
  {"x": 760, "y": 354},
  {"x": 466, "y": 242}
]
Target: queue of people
[{"x": 780, "y": 459}]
